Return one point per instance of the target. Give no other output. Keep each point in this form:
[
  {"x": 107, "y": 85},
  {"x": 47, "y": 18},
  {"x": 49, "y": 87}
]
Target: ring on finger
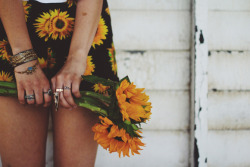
[
  {"x": 29, "y": 97},
  {"x": 67, "y": 87},
  {"x": 49, "y": 92},
  {"x": 59, "y": 90}
]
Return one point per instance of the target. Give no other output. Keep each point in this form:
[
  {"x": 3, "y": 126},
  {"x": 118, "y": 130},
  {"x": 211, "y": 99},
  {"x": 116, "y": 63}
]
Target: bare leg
[
  {"x": 74, "y": 143},
  {"x": 23, "y": 133}
]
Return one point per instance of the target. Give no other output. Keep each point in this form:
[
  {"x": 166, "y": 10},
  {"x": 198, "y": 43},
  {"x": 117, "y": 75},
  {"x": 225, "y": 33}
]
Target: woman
[{"x": 70, "y": 39}]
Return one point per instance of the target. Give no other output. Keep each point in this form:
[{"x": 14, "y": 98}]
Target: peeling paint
[
  {"x": 135, "y": 51},
  {"x": 201, "y": 39}
]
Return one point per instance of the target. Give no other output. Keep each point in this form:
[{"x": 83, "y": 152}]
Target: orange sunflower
[
  {"x": 111, "y": 52},
  {"x": 90, "y": 66},
  {"x": 5, "y": 50},
  {"x": 109, "y": 136},
  {"x": 61, "y": 24},
  {"x": 42, "y": 62},
  {"x": 5, "y": 76},
  {"x": 100, "y": 88},
  {"x": 26, "y": 8},
  {"x": 133, "y": 102},
  {"x": 101, "y": 33}
]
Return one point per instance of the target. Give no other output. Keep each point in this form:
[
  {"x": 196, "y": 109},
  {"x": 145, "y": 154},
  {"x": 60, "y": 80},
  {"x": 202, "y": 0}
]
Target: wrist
[
  {"x": 77, "y": 55},
  {"x": 16, "y": 50}
]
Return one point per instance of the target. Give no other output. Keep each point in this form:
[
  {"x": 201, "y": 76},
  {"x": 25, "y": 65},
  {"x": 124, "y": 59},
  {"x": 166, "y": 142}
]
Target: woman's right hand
[{"x": 35, "y": 83}]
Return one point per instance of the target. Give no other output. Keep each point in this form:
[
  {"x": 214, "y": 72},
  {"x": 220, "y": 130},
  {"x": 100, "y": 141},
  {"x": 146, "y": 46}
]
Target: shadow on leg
[{"x": 23, "y": 133}]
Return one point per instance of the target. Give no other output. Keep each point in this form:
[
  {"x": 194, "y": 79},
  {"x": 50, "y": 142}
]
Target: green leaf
[
  {"x": 95, "y": 79},
  {"x": 11, "y": 85},
  {"x": 8, "y": 92},
  {"x": 126, "y": 77},
  {"x": 98, "y": 96}
]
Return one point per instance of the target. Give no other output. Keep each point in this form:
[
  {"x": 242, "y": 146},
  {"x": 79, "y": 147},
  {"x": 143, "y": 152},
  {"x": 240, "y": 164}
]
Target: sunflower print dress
[{"x": 50, "y": 27}]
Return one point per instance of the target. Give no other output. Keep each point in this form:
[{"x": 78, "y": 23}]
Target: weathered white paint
[
  {"x": 229, "y": 110},
  {"x": 228, "y": 148},
  {"x": 229, "y": 70},
  {"x": 158, "y": 70},
  {"x": 229, "y": 5},
  {"x": 149, "y": 5},
  {"x": 229, "y": 31},
  {"x": 170, "y": 110},
  {"x": 199, "y": 85},
  {"x": 163, "y": 149},
  {"x": 151, "y": 30}
]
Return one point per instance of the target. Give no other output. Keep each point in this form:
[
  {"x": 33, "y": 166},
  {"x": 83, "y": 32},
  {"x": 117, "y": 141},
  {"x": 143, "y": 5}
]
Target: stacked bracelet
[{"x": 23, "y": 57}]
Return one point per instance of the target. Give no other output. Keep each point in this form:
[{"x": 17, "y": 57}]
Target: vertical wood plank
[{"x": 199, "y": 86}]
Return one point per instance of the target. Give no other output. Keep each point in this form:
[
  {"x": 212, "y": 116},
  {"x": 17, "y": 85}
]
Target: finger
[
  {"x": 68, "y": 95},
  {"x": 30, "y": 92},
  {"x": 76, "y": 87},
  {"x": 21, "y": 93},
  {"x": 47, "y": 98},
  {"x": 53, "y": 84},
  {"x": 39, "y": 96},
  {"x": 62, "y": 101}
]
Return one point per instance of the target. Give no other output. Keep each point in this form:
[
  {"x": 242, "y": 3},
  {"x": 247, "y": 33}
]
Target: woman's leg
[
  {"x": 23, "y": 133},
  {"x": 74, "y": 143}
]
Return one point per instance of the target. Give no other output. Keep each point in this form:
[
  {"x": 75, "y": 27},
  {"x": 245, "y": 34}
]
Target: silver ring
[
  {"x": 49, "y": 92},
  {"x": 29, "y": 97},
  {"x": 66, "y": 87}
]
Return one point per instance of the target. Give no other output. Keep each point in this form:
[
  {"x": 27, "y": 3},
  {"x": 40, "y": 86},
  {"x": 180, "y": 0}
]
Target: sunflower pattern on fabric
[
  {"x": 54, "y": 24},
  {"x": 26, "y": 8},
  {"x": 51, "y": 26}
]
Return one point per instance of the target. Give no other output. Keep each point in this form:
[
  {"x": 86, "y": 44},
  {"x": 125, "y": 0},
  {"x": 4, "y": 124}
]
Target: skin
[{"x": 23, "y": 125}]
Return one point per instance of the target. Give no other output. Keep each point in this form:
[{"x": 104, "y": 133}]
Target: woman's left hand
[{"x": 69, "y": 75}]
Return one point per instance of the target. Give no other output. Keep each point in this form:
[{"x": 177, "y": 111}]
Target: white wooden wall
[
  {"x": 153, "y": 43},
  {"x": 229, "y": 83}
]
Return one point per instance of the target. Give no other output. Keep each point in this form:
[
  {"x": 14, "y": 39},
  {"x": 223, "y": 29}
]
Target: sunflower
[
  {"x": 55, "y": 24},
  {"x": 133, "y": 102},
  {"x": 100, "y": 88},
  {"x": 111, "y": 52},
  {"x": 51, "y": 58},
  {"x": 5, "y": 50},
  {"x": 26, "y": 7},
  {"x": 90, "y": 66},
  {"x": 101, "y": 33},
  {"x": 61, "y": 24},
  {"x": 5, "y": 76},
  {"x": 107, "y": 10},
  {"x": 109, "y": 136},
  {"x": 42, "y": 62},
  {"x": 43, "y": 26}
]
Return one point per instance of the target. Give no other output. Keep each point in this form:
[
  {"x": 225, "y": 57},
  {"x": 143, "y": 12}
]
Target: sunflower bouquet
[{"x": 121, "y": 111}]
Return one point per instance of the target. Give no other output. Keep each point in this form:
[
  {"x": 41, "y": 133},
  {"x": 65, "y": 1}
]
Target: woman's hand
[
  {"x": 35, "y": 83},
  {"x": 69, "y": 75}
]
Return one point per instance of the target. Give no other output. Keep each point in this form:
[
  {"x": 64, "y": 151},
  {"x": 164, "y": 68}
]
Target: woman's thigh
[
  {"x": 23, "y": 133},
  {"x": 74, "y": 143}
]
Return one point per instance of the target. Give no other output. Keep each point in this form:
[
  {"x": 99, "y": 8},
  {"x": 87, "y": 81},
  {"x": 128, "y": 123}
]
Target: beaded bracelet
[{"x": 29, "y": 70}]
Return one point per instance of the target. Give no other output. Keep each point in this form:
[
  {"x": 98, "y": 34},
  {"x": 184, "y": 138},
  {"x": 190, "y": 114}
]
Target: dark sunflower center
[{"x": 60, "y": 23}]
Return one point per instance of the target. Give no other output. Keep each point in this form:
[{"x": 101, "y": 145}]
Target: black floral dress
[{"x": 50, "y": 27}]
